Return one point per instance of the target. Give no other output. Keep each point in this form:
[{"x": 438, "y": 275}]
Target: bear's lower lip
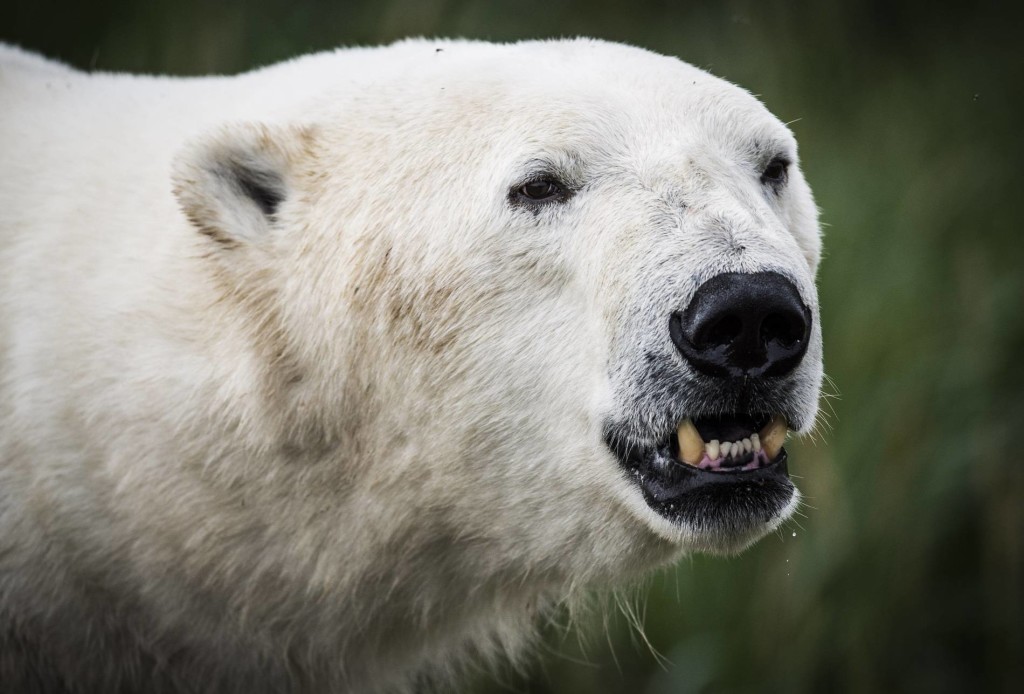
[{"x": 722, "y": 502}]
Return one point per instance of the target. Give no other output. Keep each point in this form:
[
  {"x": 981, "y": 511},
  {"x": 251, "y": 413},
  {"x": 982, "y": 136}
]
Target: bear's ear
[{"x": 231, "y": 183}]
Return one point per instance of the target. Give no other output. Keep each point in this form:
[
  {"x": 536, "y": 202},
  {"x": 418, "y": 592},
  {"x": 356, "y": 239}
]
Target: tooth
[
  {"x": 714, "y": 450},
  {"x": 747, "y": 446},
  {"x": 691, "y": 445},
  {"x": 773, "y": 436},
  {"x": 726, "y": 447},
  {"x": 755, "y": 442}
]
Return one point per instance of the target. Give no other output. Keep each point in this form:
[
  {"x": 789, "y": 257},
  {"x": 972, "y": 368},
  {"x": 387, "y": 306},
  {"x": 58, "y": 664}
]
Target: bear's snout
[{"x": 744, "y": 324}]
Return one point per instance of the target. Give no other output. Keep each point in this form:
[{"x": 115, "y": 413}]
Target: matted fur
[{"x": 293, "y": 397}]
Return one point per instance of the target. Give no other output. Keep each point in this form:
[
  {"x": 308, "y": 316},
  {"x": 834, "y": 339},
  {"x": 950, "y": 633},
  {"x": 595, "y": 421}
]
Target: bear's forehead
[{"x": 587, "y": 90}]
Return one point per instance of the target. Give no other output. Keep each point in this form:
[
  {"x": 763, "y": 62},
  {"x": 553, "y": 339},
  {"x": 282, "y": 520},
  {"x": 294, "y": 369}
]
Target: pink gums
[{"x": 706, "y": 463}]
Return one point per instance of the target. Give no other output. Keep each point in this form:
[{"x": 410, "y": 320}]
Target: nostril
[
  {"x": 723, "y": 331},
  {"x": 785, "y": 328}
]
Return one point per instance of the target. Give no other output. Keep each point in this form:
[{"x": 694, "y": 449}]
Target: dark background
[{"x": 904, "y": 571}]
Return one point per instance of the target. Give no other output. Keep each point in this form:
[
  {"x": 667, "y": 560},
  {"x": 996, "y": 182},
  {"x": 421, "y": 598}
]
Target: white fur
[{"x": 351, "y": 444}]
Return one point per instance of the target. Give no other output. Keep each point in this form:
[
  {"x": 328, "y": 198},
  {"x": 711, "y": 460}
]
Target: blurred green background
[{"x": 905, "y": 570}]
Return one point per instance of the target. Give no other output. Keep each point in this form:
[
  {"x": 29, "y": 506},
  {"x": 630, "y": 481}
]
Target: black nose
[{"x": 743, "y": 324}]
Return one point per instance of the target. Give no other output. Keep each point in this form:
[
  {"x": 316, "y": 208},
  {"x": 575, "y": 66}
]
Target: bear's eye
[
  {"x": 542, "y": 190},
  {"x": 776, "y": 173}
]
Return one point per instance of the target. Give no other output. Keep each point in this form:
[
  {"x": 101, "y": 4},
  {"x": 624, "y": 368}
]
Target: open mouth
[
  {"x": 724, "y": 477},
  {"x": 728, "y": 444}
]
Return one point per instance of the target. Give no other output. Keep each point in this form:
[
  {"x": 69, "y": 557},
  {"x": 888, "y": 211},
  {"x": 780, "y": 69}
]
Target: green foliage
[{"x": 905, "y": 570}]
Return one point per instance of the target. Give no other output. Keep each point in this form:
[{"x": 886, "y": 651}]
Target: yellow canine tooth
[
  {"x": 691, "y": 445},
  {"x": 773, "y": 436}
]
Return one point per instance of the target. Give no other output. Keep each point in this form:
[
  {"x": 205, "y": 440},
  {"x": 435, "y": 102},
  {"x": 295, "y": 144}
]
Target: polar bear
[{"x": 336, "y": 375}]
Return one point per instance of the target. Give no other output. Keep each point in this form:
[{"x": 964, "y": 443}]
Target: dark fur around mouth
[
  {"x": 725, "y": 508},
  {"x": 671, "y": 395}
]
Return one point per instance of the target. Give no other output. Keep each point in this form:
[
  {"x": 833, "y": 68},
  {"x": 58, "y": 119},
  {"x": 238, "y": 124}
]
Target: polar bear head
[{"x": 540, "y": 312}]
